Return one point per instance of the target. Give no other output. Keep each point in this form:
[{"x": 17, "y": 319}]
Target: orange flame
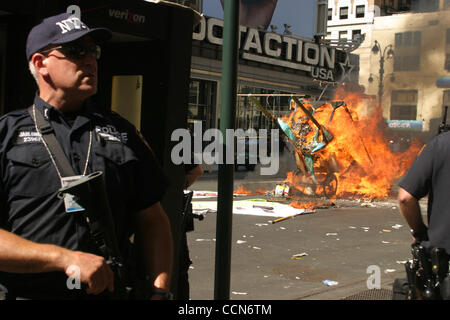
[
  {"x": 260, "y": 191},
  {"x": 241, "y": 190},
  {"x": 365, "y": 164},
  {"x": 308, "y": 205}
]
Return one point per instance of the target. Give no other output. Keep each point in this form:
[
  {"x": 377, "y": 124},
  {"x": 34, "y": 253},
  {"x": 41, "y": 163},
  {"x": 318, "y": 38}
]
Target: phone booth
[{"x": 143, "y": 72}]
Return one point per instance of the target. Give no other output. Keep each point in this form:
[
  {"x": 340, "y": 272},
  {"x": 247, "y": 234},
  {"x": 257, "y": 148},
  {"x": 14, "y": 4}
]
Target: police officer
[
  {"x": 42, "y": 239},
  {"x": 429, "y": 175}
]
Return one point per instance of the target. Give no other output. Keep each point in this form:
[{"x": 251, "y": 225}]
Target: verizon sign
[
  {"x": 126, "y": 15},
  {"x": 281, "y": 50}
]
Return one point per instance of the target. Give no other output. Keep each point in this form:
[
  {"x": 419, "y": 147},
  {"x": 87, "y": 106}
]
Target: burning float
[{"x": 340, "y": 149}]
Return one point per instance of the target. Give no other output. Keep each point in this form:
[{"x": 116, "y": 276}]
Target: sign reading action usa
[{"x": 319, "y": 61}]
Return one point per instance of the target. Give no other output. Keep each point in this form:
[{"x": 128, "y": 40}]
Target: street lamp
[
  {"x": 287, "y": 30},
  {"x": 388, "y": 53},
  {"x": 372, "y": 75}
]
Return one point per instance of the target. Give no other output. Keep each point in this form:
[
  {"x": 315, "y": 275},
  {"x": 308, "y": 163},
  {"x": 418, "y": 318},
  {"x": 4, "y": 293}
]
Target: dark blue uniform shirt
[
  {"x": 29, "y": 182},
  {"x": 430, "y": 175}
]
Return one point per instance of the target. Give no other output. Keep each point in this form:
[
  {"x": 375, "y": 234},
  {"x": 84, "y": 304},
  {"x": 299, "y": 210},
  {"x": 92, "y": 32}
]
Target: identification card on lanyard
[{"x": 69, "y": 200}]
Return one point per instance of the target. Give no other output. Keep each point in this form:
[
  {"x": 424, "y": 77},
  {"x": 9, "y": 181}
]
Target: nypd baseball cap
[{"x": 60, "y": 29}]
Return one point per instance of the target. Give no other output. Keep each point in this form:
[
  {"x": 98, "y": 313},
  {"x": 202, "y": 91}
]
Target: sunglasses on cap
[{"x": 76, "y": 51}]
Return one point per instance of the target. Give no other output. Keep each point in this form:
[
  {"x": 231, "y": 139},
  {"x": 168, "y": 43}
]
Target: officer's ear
[{"x": 39, "y": 62}]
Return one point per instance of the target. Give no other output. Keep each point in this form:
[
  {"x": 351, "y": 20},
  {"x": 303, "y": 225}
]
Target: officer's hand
[{"x": 94, "y": 272}]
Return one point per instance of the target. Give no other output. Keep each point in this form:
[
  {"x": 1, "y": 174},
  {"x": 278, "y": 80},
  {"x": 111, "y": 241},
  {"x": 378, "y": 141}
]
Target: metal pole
[
  {"x": 226, "y": 171},
  {"x": 380, "y": 84}
]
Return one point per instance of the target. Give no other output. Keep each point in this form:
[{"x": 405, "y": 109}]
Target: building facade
[{"x": 404, "y": 58}]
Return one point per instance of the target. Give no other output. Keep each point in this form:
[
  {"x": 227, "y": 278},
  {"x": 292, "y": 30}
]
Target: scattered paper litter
[
  {"x": 239, "y": 293},
  {"x": 389, "y": 270},
  {"x": 248, "y": 207},
  {"x": 204, "y": 211},
  {"x": 368, "y": 204},
  {"x": 299, "y": 256},
  {"x": 240, "y": 241},
  {"x": 331, "y": 234},
  {"x": 397, "y": 226},
  {"x": 329, "y": 283},
  {"x": 204, "y": 194}
]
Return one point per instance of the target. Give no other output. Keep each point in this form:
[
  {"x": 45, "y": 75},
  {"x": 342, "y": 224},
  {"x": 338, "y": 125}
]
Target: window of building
[
  {"x": 407, "y": 39},
  {"x": 403, "y": 112},
  {"x": 356, "y": 34},
  {"x": 360, "y": 10},
  {"x": 407, "y": 51},
  {"x": 343, "y": 35},
  {"x": 202, "y": 102},
  {"x": 343, "y": 13},
  {"x": 425, "y": 5},
  {"x": 407, "y": 63},
  {"x": 398, "y": 39},
  {"x": 249, "y": 116},
  {"x": 404, "y": 105},
  {"x": 446, "y": 4},
  {"x": 404, "y": 5},
  {"x": 330, "y": 14}
]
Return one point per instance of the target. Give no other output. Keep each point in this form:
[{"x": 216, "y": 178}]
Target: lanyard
[{"x": 62, "y": 158}]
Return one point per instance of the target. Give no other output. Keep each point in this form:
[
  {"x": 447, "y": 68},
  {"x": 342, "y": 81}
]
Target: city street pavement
[{"x": 347, "y": 243}]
